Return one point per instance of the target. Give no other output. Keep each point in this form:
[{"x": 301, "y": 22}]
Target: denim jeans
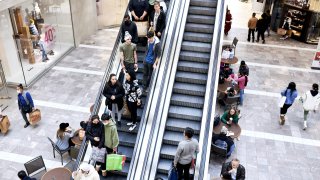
[{"x": 241, "y": 96}]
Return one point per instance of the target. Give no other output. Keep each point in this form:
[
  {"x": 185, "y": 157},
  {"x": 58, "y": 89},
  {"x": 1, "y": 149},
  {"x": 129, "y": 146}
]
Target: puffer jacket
[{"x": 310, "y": 100}]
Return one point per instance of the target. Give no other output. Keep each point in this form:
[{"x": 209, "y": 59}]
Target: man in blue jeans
[{"x": 151, "y": 60}]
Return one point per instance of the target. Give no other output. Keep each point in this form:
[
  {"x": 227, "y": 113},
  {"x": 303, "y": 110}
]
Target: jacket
[
  {"x": 241, "y": 81},
  {"x": 186, "y": 151},
  {"x": 262, "y": 25},
  {"x": 22, "y": 101},
  {"x": 133, "y": 91},
  {"x": 287, "y": 23},
  {"x": 111, "y": 139},
  {"x": 223, "y": 137},
  {"x": 310, "y": 101},
  {"x": 95, "y": 130},
  {"x": 93, "y": 175},
  {"x": 226, "y": 167},
  {"x": 161, "y": 22},
  {"x": 156, "y": 49},
  {"x": 252, "y": 23},
  {"x": 289, "y": 97},
  {"x": 138, "y": 6},
  {"x": 132, "y": 29},
  {"x": 118, "y": 92},
  {"x": 224, "y": 117}
]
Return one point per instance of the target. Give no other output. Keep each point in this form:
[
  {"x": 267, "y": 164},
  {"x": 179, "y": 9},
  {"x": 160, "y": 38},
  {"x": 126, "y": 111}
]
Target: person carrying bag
[{"x": 25, "y": 104}]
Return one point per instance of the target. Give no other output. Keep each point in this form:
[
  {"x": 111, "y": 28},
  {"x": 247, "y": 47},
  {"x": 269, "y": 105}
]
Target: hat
[
  {"x": 63, "y": 126},
  {"x": 127, "y": 36},
  {"x": 85, "y": 167},
  {"x": 150, "y": 34},
  {"x": 105, "y": 116}
]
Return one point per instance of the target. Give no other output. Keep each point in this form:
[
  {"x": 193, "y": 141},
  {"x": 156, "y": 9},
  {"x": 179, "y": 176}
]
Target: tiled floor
[
  {"x": 63, "y": 95},
  {"x": 267, "y": 150}
]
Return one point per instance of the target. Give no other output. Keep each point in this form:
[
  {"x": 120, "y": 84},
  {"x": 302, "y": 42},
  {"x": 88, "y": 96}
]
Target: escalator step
[
  {"x": 201, "y": 19},
  {"x": 204, "y": 3},
  {"x": 195, "y": 67},
  {"x": 174, "y": 124},
  {"x": 185, "y": 113},
  {"x": 202, "y": 10},
  {"x": 187, "y": 100},
  {"x": 196, "y": 57},
  {"x": 190, "y": 77},
  {"x": 197, "y": 37},
  {"x": 174, "y": 137},
  {"x": 196, "y": 46},
  {"x": 201, "y": 28},
  {"x": 190, "y": 89}
]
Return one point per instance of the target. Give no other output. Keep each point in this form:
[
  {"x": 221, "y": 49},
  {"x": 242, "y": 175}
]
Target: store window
[{"x": 39, "y": 32}]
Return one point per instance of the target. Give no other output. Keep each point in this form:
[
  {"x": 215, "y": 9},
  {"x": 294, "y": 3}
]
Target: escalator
[{"x": 189, "y": 88}]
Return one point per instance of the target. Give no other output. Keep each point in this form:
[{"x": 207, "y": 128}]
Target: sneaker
[
  {"x": 119, "y": 123},
  {"x": 263, "y": 41},
  {"x": 132, "y": 127},
  {"x": 26, "y": 125},
  {"x": 129, "y": 123},
  {"x": 304, "y": 125}
]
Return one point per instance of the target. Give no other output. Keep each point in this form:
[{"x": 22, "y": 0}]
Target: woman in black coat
[
  {"x": 114, "y": 94},
  {"x": 158, "y": 19}
]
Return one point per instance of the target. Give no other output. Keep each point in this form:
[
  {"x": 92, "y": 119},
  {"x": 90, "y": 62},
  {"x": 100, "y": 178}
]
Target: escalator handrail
[
  {"x": 150, "y": 101},
  {"x": 97, "y": 102},
  {"x": 152, "y": 160},
  {"x": 202, "y": 161}
]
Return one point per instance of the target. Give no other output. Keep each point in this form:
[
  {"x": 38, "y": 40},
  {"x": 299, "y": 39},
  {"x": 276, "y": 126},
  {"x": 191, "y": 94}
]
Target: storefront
[
  {"x": 34, "y": 34},
  {"x": 305, "y": 17}
]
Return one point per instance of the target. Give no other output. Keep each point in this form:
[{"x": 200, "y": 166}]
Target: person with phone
[{"x": 233, "y": 170}]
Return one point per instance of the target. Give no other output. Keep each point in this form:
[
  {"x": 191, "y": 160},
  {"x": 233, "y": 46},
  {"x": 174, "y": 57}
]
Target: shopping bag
[
  {"x": 115, "y": 162},
  {"x": 281, "y": 101},
  {"x": 34, "y": 117},
  {"x": 4, "y": 124},
  {"x": 98, "y": 154},
  {"x": 173, "y": 174},
  {"x": 281, "y": 31},
  {"x": 142, "y": 27}
]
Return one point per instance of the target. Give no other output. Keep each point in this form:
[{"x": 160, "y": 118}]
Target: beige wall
[
  {"x": 111, "y": 12},
  {"x": 84, "y": 17}
]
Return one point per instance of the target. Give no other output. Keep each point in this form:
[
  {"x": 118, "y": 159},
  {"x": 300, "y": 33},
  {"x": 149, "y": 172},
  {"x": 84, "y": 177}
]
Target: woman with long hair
[
  {"x": 114, "y": 94},
  {"x": 230, "y": 116},
  {"x": 133, "y": 97},
  {"x": 64, "y": 133},
  {"x": 227, "y": 25},
  {"x": 291, "y": 94},
  {"x": 242, "y": 80}
]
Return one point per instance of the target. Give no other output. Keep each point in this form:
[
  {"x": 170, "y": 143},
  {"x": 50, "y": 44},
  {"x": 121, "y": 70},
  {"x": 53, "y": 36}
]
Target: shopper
[
  {"x": 230, "y": 116},
  {"x": 268, "y": 19},
  {"x": 42, "y": 49},
  {"x": 287, "y": 25},
  {"x": 222, "y": 139},
  {"x": 128, "y": 54},
  {"x": 291, "y": 94},
  {"x": 23, "y": 176},
  {"x": 130, "y": 27},
  {"x": 133, "y": 97},
  {"x": 227, "y": 24},
  {"x": 114, "y": 94},
  {"x": 25, "y": 103},
  {"x": 310, "y": 101},
  {"x": 111, "y": 140},
  {"x": 252, "y": 24},
  {"x": 152, "y": 57},
  {"x": 185, "y": 153},
  {"x": 262, "y": 26},
  {"x": 139, "y": 10},
  {"x": 64, "y": 135},
  {"x": 158, "y": 20},
  {"x": 95, "y": 133},
  {"x": 233, "y": 170},
  {"x": 85, "y": 172},
  {"x": 243, "y": 68},
  {"x": 242, "y": 80}
]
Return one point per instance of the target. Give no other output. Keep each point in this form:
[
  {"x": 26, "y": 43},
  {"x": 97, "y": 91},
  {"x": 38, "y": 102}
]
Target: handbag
[
  {"x": 34, "y": 116},
  {"x": 115, "y": 162},
  {"x": 98, "y": 155},
  {"x": 142, "y": 27},
  {"x": 281, "y": 101},
  {"x": 4, "y": 124},
  {"x": 173, "y": 174},
  {"x": 281, "y": 31}
]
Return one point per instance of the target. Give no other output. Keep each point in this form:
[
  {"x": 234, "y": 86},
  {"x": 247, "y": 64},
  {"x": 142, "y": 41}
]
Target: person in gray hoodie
[{"x": 186, "y": 151}]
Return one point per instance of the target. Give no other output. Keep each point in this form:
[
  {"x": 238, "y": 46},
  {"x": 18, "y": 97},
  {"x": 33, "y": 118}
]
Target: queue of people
[{"x": 260, "y": 26}]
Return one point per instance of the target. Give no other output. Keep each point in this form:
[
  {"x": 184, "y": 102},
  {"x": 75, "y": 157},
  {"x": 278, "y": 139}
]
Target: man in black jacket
[
  {"x": 158, "y": 19},
  {"x": 131, "y": 27},
  {"x": 262, "y": 26},
  {"x": 233, "y": 170}
]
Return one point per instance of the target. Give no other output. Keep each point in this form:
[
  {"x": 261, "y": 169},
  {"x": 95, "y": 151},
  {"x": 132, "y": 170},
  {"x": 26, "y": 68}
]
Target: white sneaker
[
  {"x": 129, "y": 123},
  {"x": 304, "y": 125},
  {"x": 132, "y": 127}
]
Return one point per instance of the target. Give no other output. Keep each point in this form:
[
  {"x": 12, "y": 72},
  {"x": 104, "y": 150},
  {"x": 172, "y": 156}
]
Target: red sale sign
[{"x": 49, "y": 37}]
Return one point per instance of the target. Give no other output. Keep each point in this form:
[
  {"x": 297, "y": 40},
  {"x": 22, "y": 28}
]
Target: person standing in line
[
  {"x": 242, "y": 80},
  {"x": 114, "y": 94},
  {"x": 268, "y": 20},
  {"x": 233, "y": 170},
  {"x": 133, "y": 97},
  {"x": 291, "y": 94},
  {"x": 152, "y": 57},
  {"x": 95, "y": 133},
  {"x": 128, "y": 54},
  {"x": 262, "y": 26},
  {"x": 130, "y": 27},
  {"x": 25, "y": 103},
  {"x": 287, "y": 26},
  {"x": 186, "y": 151},
  {"x": 158, "y": 19},
  {"x": 227, "y": 25},
  {"x": 310, "y": 101},
  {"x": 139, "y": 10},
  {"x": 252, "y": 24}
]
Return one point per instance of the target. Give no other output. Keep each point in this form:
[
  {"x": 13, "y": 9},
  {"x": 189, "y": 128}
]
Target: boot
[
  {"x": 304, "y": 125},
  {"x": 104, "y": 173},
  {"x": 282, "y": 119}
]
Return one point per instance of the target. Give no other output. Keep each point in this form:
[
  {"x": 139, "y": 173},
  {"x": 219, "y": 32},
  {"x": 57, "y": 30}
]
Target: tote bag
[
  {"x": 281, "y": 101},
  {"x": 98, "y": 154},
  {"x": 142, "y": 27},
  {"x": 115, "y": 162}
]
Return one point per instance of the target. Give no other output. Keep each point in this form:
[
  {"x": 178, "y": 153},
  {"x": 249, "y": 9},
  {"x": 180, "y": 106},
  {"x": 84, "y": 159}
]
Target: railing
[
  {"x": 142, "y": 147},
  {"x": 202, "y": 162}
]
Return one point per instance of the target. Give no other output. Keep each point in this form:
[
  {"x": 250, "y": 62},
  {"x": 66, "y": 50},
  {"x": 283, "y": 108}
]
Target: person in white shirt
[{"x": 310, "y": 101}]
